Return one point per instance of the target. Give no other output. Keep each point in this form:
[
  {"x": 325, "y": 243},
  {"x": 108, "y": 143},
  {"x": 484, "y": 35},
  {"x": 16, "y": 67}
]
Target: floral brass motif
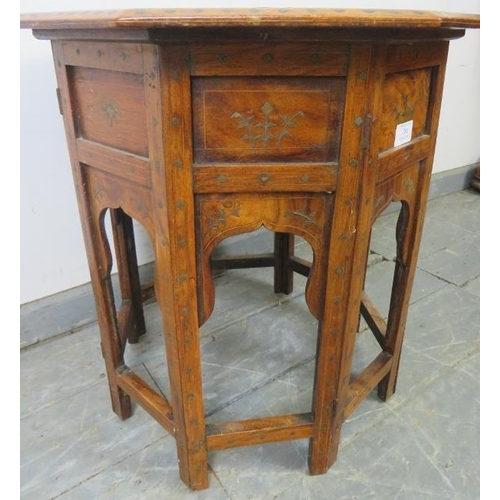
[
  {"x": 309, "y": 217},
  {"x": 112, "y": 111},
  {"x": 260, "y": 134},
  {"x": 219, "y": 219},
  {"x": 407, "y": 111}
]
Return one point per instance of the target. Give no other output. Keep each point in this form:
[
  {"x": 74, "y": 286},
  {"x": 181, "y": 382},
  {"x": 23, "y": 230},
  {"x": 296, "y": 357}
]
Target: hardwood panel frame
[
  {"x": 122, "y": 164},
  {"x": 113, "y": 56},
  {"x": 266, "y": 177}
]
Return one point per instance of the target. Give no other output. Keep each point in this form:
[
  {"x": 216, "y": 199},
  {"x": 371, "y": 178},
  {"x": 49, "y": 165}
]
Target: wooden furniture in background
[{"x": 204, "y": 124}]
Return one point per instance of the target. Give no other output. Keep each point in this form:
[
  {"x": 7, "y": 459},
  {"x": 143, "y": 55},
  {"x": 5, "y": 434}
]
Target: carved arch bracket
[
  {"x": 403, "y": 187},
  {"x": 106, "y": 191},
  {"x": 222, "y": 216}
]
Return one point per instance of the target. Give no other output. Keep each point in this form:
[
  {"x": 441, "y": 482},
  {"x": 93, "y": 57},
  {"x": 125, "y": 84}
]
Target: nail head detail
[{"x": 268, "y": 57}]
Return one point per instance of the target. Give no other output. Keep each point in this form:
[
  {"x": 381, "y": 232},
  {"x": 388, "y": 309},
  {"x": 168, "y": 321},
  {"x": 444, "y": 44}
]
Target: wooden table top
[{"x": 254, "y": 17}]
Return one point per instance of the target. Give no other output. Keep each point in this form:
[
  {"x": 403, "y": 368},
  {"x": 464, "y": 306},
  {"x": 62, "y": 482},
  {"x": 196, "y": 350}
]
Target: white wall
[{"x": 52, "y": 252}]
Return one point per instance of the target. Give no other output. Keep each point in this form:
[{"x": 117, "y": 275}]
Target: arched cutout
[
  {"x": 121, "y": 250},
  {"x": 206, "y": 291},
  {"x": 221, "y": 217},
  {"x": 255, "y": 338},
  {"x": 383, "y": 273}
]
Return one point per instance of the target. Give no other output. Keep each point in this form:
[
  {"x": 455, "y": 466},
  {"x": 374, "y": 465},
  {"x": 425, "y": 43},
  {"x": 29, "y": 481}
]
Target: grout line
[
  {"x": 286, "y": 299},
  {"x": 259, "y": 386},
  {"x": 415, "y": 392},
  {"x": 438, "y": 277},
  {"x": 69, "y": 396},
  {"x": 109, "y": 466},
  {"x": 57, "y": 336},
  {"x": 154, "y": 380},
  {"x": 210, "y": 468}
]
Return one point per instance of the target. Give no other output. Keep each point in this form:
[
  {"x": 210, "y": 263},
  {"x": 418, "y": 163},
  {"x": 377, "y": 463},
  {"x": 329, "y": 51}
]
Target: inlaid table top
[{"x": 255, "y": 17}]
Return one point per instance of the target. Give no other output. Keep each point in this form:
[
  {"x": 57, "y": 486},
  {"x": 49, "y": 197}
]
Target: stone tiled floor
[{"x": 258, "y": 360}]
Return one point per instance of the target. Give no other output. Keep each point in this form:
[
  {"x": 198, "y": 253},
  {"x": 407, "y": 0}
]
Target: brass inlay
[
  {"x": 406, "y": 111},
  {"x": 261, "y": 133},
  {"x": 309, "y": 217},
  {"x": 112, "y": 111},
  {"x": 219, "y": 219},
  {"x": 268, "y": 58}
]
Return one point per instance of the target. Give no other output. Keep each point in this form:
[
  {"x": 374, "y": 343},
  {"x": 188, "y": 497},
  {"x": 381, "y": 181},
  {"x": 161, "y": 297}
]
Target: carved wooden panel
[
  {"x": 109, "y": 108},
  {"x": 402, "y": 187},
  {"x": 125, "y": 57},
  {"x": 108, "y": 191},
  {"x": 258, "y": 59},
  {"x": 267, "y": 119},
  {"x": 221, "y": 216},
  {"x": 405, "y": 97}
]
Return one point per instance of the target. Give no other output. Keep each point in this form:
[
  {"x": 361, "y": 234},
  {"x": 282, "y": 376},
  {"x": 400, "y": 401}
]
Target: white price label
[{"x": 403, "y": 133}]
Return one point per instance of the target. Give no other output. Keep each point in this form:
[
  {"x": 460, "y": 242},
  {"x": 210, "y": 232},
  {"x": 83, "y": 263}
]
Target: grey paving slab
[
  {"x": 378, "y": 285},
  {"x": 249, "y": 353},
  {"x": 60, "y": 314},
  {"x": 445, "y": 326},
  {"x": 65, "y": 312},
  {"x": 458, "y": 263},
  {"x": 260, "y": 472},
  {"x": 77, "y": 438},
  {"x": 55, "y": 371},
  {"x": 445, "y": 424},
  {"x": 411, "y": 453},
  {"x": 473, "y": 286},
  {"x": 240, "y": 293},
  {"x": 448, "y": 219},
  {"x": 150, "y": 474}
]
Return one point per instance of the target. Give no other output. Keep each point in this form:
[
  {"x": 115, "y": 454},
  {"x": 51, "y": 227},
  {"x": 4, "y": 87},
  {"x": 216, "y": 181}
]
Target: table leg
[
  {"x": 408, "y": 234},
  {"x": 128, "y": 272},
  {"x": 283, "y": 272},
  {"x": 100, "y": 269}
]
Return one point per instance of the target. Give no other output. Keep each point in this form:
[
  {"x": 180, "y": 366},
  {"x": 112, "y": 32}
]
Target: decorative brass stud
[
  {"x": 408, "y": 185},
  {"x": 353, "y": 162},
  {"x": 221, "y": 179},
  {"x": 304, "y": 178},
  {"x": 264, "y": 178},
  {"x": 358, "y": 121},
  {"x": 315, "y": 59},
  {"x": 268, "y": 57}
]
